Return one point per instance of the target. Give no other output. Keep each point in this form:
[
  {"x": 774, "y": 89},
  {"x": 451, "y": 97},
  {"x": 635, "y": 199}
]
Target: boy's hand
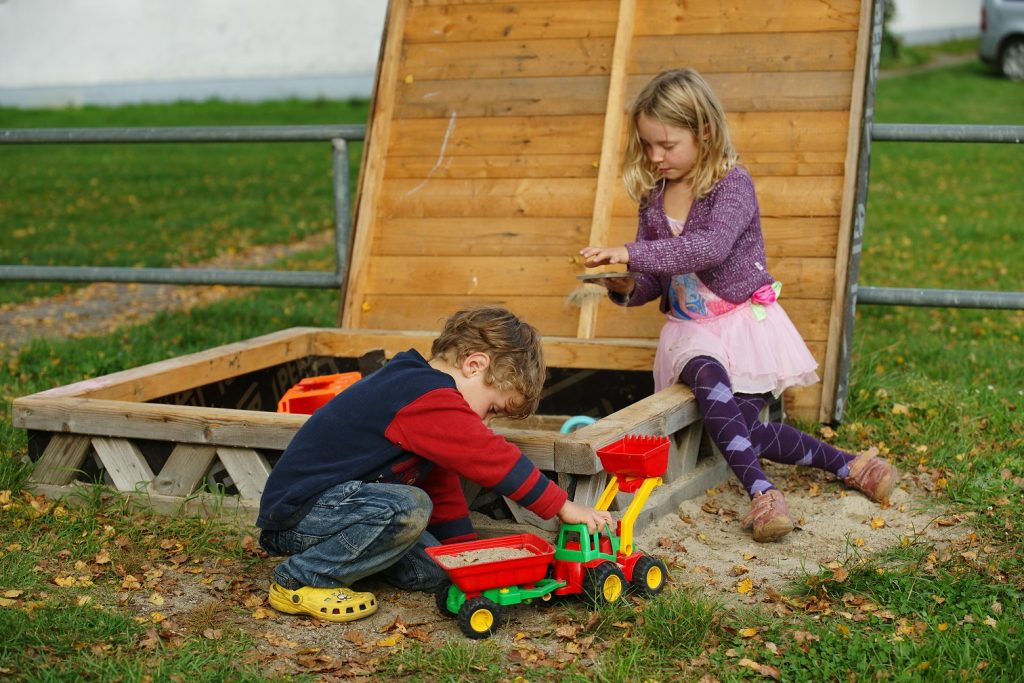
[{"x": 574, "y": 513}]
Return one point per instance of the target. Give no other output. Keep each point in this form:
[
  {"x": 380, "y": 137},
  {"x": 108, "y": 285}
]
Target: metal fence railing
[{"x": 338, "y": 136}]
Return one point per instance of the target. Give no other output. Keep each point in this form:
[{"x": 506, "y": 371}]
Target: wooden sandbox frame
[{"x": 107, "y": 418}]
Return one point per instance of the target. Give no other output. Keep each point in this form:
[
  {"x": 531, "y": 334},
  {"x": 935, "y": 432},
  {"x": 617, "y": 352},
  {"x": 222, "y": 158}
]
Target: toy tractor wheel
[
  {"x": 649, "y": 575},
  {"x": 604, "y": 583},
  {"x": 441, "y": 599},
  {"x": 479, "y": 617}
]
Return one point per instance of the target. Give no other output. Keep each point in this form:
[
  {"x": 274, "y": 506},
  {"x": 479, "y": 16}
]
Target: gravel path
[{"x": 104, "y": 306}]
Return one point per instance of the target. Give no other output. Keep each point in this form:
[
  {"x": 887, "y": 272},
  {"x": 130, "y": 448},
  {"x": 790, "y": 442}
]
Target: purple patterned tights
[{"x": 733, "y": 424}]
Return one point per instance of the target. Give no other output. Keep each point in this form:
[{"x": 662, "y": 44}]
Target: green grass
[
  {"x": 941, "y": 390},
  {"x": 163, "y": 205}
]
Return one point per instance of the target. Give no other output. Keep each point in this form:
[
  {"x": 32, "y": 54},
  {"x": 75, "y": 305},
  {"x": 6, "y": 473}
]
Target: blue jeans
[{"x": 356, "y": 530}]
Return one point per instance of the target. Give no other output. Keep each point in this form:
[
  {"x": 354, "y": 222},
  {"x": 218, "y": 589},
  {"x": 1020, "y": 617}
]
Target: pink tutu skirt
[{"x": 761, "y": 356}]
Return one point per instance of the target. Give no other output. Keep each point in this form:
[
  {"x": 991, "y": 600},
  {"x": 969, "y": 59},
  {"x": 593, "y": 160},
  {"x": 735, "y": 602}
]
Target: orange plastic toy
[{"x": 312, "y": 392}]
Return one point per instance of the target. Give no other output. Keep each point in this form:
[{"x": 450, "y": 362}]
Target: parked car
[{"x": 1002, "y": 36}]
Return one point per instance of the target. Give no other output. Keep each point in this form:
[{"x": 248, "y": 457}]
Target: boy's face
[{"x": 486, "y": 400}]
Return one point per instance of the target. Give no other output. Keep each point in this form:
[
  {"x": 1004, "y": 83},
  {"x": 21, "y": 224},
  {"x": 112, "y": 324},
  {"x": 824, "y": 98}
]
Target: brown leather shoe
[
  {"x": 769, "y": 516},
  {"x": 872, "y": 476}
]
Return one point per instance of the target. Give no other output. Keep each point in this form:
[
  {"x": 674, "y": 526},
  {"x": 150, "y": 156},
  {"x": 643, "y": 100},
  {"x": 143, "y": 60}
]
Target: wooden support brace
[
  {"x": 248, "y": 469},
  {"x": 124, "y": 464},
  {"x": 184, "y": 470},
  {"x": 62, "y": 458}
]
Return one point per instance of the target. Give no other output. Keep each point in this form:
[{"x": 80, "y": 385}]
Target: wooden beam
[
  {"x": 608, "y": 170},
  {"x": 124, "y": 463},
  {"x": 661, "y": 414},
  {"x": 184, "y": 470},
  {"x": 248, "y": 469},
  {"x": 61, "y": 459}
]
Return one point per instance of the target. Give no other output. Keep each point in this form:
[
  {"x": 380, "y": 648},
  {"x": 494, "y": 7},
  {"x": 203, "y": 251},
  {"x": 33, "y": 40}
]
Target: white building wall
[
  {"x": 931, "y": 21},
  {"x": 56, "y": 53},
  {"x": 60, "y": 52}
]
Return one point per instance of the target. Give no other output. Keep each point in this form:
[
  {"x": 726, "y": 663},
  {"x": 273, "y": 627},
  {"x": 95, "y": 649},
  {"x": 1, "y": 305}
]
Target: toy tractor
[{"x": 599, "y": 565}]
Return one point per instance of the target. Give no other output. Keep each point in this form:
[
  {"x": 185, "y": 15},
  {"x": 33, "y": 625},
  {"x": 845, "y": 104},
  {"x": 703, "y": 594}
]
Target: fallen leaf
[
  {"x": 748, "y": 632},
  {"x": 745, "y": 586},
  {"x": 877, "y": 522},
  {"x": 763, "y": 669}
]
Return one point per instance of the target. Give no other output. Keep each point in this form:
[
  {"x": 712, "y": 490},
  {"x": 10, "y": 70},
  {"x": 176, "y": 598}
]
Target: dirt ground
[{"x": 702, "y": 544}]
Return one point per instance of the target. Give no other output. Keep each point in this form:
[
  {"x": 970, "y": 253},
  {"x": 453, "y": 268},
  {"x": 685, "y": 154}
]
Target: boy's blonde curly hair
[{"x": 514, "y": 347}]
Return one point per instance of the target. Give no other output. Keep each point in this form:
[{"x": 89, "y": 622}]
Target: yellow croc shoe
[{"x": 330, "y": 604}]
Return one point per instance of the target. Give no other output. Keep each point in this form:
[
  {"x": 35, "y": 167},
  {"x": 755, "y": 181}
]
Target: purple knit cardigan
[{"x": 721, "y": 242}]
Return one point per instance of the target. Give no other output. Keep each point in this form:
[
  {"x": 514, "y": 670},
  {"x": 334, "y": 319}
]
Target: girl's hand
[
  {"x": 599, "y": 256},
  {"x": 574, "y": 513}
]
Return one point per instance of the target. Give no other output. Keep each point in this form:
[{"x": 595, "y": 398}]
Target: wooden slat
[
  {"x": 124, "y": 463},
  {"x": 498, "y": 97},
  {"x": 688, "y": 17},
  {"x": 184, "y": 470},
  {"x": 511, "y": 21},
  {"x": 179, "y": 374},
  {"x": 509, "y": 166},
  {"x": 846, "y": 219},
  {"x": 492, "y": 236},
  {"x": 729, "y": 52},
  {"x": 611, "y": 139},
  {"x": 469, "y": 60},
  {"x": 530, "y": 197},
  {"x": 63, "y": 456},
  {"x": 510, "y": 135},
  {"x": 772, "y": 91},
  {"x": 188, "y": 424},
  {"x": 372, "y": 168},
  {"x": 248, "y": 469}
]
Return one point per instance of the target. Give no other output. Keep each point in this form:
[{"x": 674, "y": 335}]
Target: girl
[{"x": 700, "y": 249}]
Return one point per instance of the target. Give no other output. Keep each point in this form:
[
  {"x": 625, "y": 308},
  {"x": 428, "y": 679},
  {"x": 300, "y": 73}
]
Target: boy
[{"x": 372, "y": 478}]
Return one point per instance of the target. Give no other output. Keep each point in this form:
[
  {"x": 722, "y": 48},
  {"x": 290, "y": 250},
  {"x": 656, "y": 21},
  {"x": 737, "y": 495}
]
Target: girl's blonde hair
[{"x": 683, "y": 99}]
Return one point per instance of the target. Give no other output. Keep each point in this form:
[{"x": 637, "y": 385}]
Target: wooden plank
[
  {"x": 179, "y": 374},
  {"x": 378, "y": 135},
  {"x": 788, "y": 132},
  {"x": 527, "y": 197},
  {"x": 472, "y": 275},
  {"x": 507, "y": 166},
  {"x": 684, "y": 446},
  {"x": 63, "y": 456},
  {"x": 846, "y": 218},
  {"x": 740, "y": 52},
  {"x": 524, "y": 516},
  {"x": 687, "y": 17},
  {"x": 248, "y": 469},
  {"x": 549, "y": 314},
  {"x": 663, "y": 413},
  {"x": 806, "y": 91},
  {"x": 468, "y": 60},
  {"x": 188, "y": 424},
  {"x": 498, "y": 97},
  {"x": 510, "y": 21},
  {"x": 124, "y": 463},
  {"x": 508, "y": 135},
  {"x": 792, "y": 163},
  {"x": 610, "y": 154},
  {"x": 184, "y": 470},
  {"x": 492, "y": 236}
]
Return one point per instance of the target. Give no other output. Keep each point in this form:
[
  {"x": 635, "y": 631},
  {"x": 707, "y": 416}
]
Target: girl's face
[{"x": 672, "y": 151}]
